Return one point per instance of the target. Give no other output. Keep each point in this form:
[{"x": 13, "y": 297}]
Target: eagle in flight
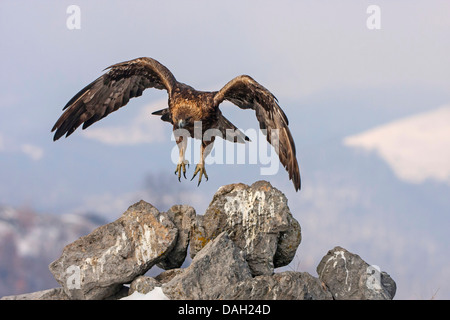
[{"x": 186, "y": 107}]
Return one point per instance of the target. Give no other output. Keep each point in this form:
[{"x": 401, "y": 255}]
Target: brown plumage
[{"x": 129, "y": 79}]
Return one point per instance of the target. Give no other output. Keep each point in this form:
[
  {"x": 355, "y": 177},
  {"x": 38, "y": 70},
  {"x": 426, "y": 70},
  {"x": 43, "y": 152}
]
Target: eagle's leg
[
  {"x": 205, "y": 149},
  {"x": 181, "y": 166}
]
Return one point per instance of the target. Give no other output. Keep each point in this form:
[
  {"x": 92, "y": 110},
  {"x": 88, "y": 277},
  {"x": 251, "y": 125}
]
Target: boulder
[
  {"x": 258, "y": 220},
  {"x": 183, "y": 217},
  {"x": 95, "y": 266},
  {"x": 348, "y": 277},
  {"x": 219, "y": 265}
]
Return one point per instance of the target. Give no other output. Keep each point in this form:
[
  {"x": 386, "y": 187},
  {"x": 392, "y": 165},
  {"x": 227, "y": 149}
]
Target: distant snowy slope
[{"x": 417, "y": 148}]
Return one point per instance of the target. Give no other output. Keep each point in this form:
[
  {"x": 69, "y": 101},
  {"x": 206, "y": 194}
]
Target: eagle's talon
[
  {"x": 201, "y": 170},
  {"x": 181, "y": 167}
]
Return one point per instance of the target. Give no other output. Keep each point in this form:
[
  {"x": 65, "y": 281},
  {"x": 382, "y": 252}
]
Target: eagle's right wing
[
  {"x": 111, "y": 91},
  {"x": 246, "y": 93}
]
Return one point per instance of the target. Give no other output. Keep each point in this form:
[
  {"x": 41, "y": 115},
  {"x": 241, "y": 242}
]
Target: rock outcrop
[
  {"x": 245, "y": 233},
  {"x": 347, "y": 276},
  {"x": 257, "y": 219}
]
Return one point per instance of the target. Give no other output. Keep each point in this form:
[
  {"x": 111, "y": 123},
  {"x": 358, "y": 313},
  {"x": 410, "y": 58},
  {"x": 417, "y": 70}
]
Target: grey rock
[
  {"x": 95, "y": 266},
  {"x": 50, "y": 294},
  {"x": 198, "y": 238},
  {"x": 288, "y": 242},
  {"x": 168, "y": 275},
  {"x": 348, "y": 277},
  {"x": 287, "y": 285},
  {"x": 219, "y": 265},
  {"x": 244, "y": 234},
  {"x": 258, "y": 220},
  {"x": 183, "y": 217},
  {"x": 143, "y": 284}
]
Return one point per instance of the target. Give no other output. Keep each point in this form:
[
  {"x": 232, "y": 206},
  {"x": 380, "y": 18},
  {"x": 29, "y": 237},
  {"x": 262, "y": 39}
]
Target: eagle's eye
[{"x": 183, "y": 122}]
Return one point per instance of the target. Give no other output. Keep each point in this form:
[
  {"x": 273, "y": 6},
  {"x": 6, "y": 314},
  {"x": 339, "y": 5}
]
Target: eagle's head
[{"x": 182, "y": 118}]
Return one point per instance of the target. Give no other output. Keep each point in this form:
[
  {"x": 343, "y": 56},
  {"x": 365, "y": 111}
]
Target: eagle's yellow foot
[
  {"x": 200, "y": 168},
  {"x": 181, "y": 167}
]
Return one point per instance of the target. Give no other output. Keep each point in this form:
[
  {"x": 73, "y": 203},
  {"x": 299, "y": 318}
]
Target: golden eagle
[{"x": 187, "y": 106}]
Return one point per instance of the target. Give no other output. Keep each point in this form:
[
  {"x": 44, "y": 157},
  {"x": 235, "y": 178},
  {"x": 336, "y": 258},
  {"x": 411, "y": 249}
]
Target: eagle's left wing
[
  {"x": 112, "y": 91},
  {"x": 246, "y": 93}
]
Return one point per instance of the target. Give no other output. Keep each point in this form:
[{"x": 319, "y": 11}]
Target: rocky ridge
[{"x": 245, "y": 233}]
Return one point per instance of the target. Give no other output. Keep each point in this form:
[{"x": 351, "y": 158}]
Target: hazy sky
[{"x": 333, "y": 76}]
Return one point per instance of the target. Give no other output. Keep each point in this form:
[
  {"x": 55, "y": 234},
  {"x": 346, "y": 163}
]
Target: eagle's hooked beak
[{"x": 181, "y": 123}]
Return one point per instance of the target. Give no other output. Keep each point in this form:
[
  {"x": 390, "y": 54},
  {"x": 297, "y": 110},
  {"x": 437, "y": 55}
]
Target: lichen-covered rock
[
  {"x": 258, "y": 220},
  {"x": 219, "y": 265},
  {"x": 347, "y": 276},
  {"x": 95, "y": 266},
  {"x": 183, "y": 216}
]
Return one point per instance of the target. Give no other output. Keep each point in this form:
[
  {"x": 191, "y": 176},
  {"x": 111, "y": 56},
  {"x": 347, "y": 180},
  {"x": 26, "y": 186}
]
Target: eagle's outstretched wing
[
  {"x": 246, "y": 93},
  {"x": 111, "y": 91}
]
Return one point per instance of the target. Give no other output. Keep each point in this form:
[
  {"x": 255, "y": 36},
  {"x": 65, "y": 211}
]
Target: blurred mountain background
[{"x": 369, "y": 111}]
